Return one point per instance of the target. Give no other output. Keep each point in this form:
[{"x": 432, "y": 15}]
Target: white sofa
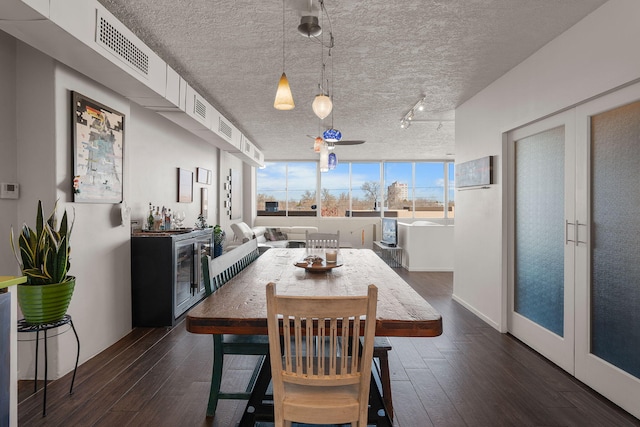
[{"x": 269, "y": 237}]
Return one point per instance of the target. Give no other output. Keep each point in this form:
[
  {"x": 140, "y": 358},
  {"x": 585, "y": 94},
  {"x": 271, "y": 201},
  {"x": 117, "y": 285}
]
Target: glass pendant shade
[
  {"x": 332, "y": 135},
  {"x": 317, "y": 144},
  {"x": 284, "y": 98},
  {"x": 324, "y": 158},
  {"x": 322, "y": 106},
  {"x": 333, "y": 161}
]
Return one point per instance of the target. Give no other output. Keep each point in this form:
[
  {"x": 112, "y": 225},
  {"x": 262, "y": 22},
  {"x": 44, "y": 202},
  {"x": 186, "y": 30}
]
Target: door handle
[{"x": 576, "y": 231}]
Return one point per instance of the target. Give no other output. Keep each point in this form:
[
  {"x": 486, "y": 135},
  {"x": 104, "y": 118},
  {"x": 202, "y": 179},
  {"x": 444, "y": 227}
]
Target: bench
[
  {"x": 216, "y": 272},
  {"x": 381, "y": 348}
]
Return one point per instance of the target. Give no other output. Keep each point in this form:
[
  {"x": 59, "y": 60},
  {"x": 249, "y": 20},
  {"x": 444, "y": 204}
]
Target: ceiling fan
[{"x": 343, "y": 141}]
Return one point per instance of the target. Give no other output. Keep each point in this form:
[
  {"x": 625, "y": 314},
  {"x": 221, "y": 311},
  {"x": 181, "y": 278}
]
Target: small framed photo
[
  {"x": 202, "y": 175},
  {"x": 185, "y": 186}
]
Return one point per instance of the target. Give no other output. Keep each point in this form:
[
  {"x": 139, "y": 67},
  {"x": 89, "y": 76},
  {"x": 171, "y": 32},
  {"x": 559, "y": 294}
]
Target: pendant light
[
  {"x": 333, "y": 161},
  {"x": 324, "y": 158},
  {"x": 317, "y": 144},
  {"x": 284, "y": 98},
  {"x": 322, "y": 104}
]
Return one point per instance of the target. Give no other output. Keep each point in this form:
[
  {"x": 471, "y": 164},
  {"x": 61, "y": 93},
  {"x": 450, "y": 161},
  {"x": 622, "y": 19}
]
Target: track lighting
[{"x": 419, "y": 106}]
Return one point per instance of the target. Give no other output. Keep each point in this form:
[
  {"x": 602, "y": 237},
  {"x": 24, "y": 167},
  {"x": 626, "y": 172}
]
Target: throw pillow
[{"x": 271, "y": 234}]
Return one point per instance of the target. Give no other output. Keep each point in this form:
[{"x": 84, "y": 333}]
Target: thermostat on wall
[{"x": 9, "y": 190}]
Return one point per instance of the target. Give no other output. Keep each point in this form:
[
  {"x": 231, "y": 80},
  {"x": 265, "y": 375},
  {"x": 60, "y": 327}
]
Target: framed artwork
[
  {"x": 185, "y": 186},
  {"x": 203, "y": 176},
  {"x": 98, "y": 151},
  {"x": 204, "y": 202},
  {"x": 475, "y": 172}
]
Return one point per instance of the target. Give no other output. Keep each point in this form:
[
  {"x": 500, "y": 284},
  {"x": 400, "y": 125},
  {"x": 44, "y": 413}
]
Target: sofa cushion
[
  {"x": 242, "y": 232},
  {"x": 275, "y": 234}
]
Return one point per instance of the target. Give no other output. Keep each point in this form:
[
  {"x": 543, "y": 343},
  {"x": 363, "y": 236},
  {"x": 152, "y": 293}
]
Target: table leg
[{"x": 257, "y": 408}]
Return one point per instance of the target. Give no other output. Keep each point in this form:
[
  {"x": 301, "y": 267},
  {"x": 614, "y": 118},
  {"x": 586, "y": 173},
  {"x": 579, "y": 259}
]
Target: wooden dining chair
[
  {"x": 216, "y": 272},
  {"x": 323, "y": 373},
  {"x": 322, "y": 240}
]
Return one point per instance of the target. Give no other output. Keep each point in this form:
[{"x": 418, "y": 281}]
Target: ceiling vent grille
[
  {"x": 117, "y": 43},
  {"x": 200, "y": 108},
  {"x": 225, "y": 129}
]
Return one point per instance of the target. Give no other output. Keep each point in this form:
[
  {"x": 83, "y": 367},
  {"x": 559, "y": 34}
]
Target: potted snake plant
[{"x": 43, "y": 257}]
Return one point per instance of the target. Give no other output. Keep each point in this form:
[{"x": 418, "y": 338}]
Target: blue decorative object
[
  {"x": 332, "y": 135},
  {"x": 333, "y": 161}
]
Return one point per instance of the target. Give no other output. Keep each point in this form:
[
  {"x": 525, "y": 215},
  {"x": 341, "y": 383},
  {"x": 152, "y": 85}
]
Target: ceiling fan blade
[{"x": 350, "y": 142}]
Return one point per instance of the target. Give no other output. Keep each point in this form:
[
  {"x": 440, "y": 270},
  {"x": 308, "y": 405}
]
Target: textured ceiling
[{"x": 387, "y": 55}]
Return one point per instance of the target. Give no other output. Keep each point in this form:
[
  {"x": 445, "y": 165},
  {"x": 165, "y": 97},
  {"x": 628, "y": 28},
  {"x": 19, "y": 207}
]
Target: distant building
[{"x": 398, "y": 192}]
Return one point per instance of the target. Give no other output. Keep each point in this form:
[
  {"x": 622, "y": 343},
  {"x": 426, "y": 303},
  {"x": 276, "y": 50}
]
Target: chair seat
[{"x": 332, "y": 404}]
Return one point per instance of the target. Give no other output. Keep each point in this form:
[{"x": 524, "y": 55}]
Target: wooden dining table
[{"x": 239, "y": 307}]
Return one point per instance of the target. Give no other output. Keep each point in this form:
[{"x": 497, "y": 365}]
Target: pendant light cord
[{"x": 283, "y": 36}]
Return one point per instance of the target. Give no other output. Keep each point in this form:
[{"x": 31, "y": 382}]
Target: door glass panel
[
  {"x": 615, "y": 237},
  {"x": 539, "y": 229},
  {"x": 184, "y": 275}
]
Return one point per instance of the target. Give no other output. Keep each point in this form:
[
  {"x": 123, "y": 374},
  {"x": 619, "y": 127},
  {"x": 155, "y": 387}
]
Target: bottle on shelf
[
  {"x": 157, "y": 219},
  {"x": 167, "y": 220},
  {"x": 150, "y": 217}
]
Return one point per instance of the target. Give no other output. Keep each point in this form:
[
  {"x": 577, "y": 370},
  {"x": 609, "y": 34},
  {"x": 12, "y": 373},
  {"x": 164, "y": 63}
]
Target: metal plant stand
[{"x": 23, "y": 326}]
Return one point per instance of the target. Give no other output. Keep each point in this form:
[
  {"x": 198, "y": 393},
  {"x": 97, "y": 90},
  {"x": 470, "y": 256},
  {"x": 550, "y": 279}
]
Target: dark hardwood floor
[{"x": 470, "y": 376}]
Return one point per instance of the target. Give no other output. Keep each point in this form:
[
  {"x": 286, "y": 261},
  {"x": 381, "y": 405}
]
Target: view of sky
[{"x": 302, "y": 177}]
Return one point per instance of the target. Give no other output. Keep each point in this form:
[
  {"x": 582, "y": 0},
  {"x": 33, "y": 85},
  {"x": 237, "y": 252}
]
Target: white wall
[
  {"x": 8, "y": 147},
  {"x": 595, "y": 56},
  {"x": 39, "y": 148}
]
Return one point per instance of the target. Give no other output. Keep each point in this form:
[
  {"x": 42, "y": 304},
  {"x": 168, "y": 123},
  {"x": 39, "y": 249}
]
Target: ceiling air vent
[
  {"x": 109, "y": 37},
  {"x": 225, "y": 129},
  {"x": 200, "y": 108}
]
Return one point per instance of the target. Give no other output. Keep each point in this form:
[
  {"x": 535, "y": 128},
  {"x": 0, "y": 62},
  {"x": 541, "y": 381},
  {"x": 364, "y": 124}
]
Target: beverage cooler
[{"x": 166, "y": 275}]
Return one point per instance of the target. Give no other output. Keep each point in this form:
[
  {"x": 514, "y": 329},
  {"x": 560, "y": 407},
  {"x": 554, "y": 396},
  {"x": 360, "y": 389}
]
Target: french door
[{"x": 574, "y": 281}]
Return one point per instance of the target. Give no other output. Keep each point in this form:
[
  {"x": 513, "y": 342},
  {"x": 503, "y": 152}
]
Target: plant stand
[{"x": 23, "y": 326}]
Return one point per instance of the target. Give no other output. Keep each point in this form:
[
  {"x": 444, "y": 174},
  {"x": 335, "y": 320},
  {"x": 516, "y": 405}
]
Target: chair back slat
[
  {"x": 219, "y": 270},
  {"x": 326, "y": 336},
  {"x": 322, "y": 240}
]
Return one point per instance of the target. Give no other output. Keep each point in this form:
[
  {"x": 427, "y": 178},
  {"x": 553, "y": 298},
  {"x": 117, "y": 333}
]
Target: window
[
  {"x": 366, "y": 195},
  {"x": 398, "y": 189},
  {"x": 408, "y": 190},
  {"x": 452, "y": 191},
  {"x": 287, "y": 189},
  {"x": 429, "y": 190},
  {"x": 334, "y": 197}
]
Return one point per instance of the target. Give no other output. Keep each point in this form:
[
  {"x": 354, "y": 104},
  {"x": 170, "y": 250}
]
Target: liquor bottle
[{"x": 150, "y": 218}]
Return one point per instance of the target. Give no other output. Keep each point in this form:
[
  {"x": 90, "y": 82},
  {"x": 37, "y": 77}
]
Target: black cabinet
[{"x": 166, "y": 275}]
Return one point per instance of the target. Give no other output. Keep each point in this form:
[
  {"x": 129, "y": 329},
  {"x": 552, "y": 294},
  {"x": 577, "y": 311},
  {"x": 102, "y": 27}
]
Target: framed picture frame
[
  {"x": 98, "y": 151},
  {"x": 185, "y": 186},
  {"x": 475, "y": 173},
  {"x": 204, "y": 202},
  {"x": 202, "y": 175}
]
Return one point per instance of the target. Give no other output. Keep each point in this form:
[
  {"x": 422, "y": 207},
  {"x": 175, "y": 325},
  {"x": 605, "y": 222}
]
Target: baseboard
[{"x": 476, "y": 312}]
